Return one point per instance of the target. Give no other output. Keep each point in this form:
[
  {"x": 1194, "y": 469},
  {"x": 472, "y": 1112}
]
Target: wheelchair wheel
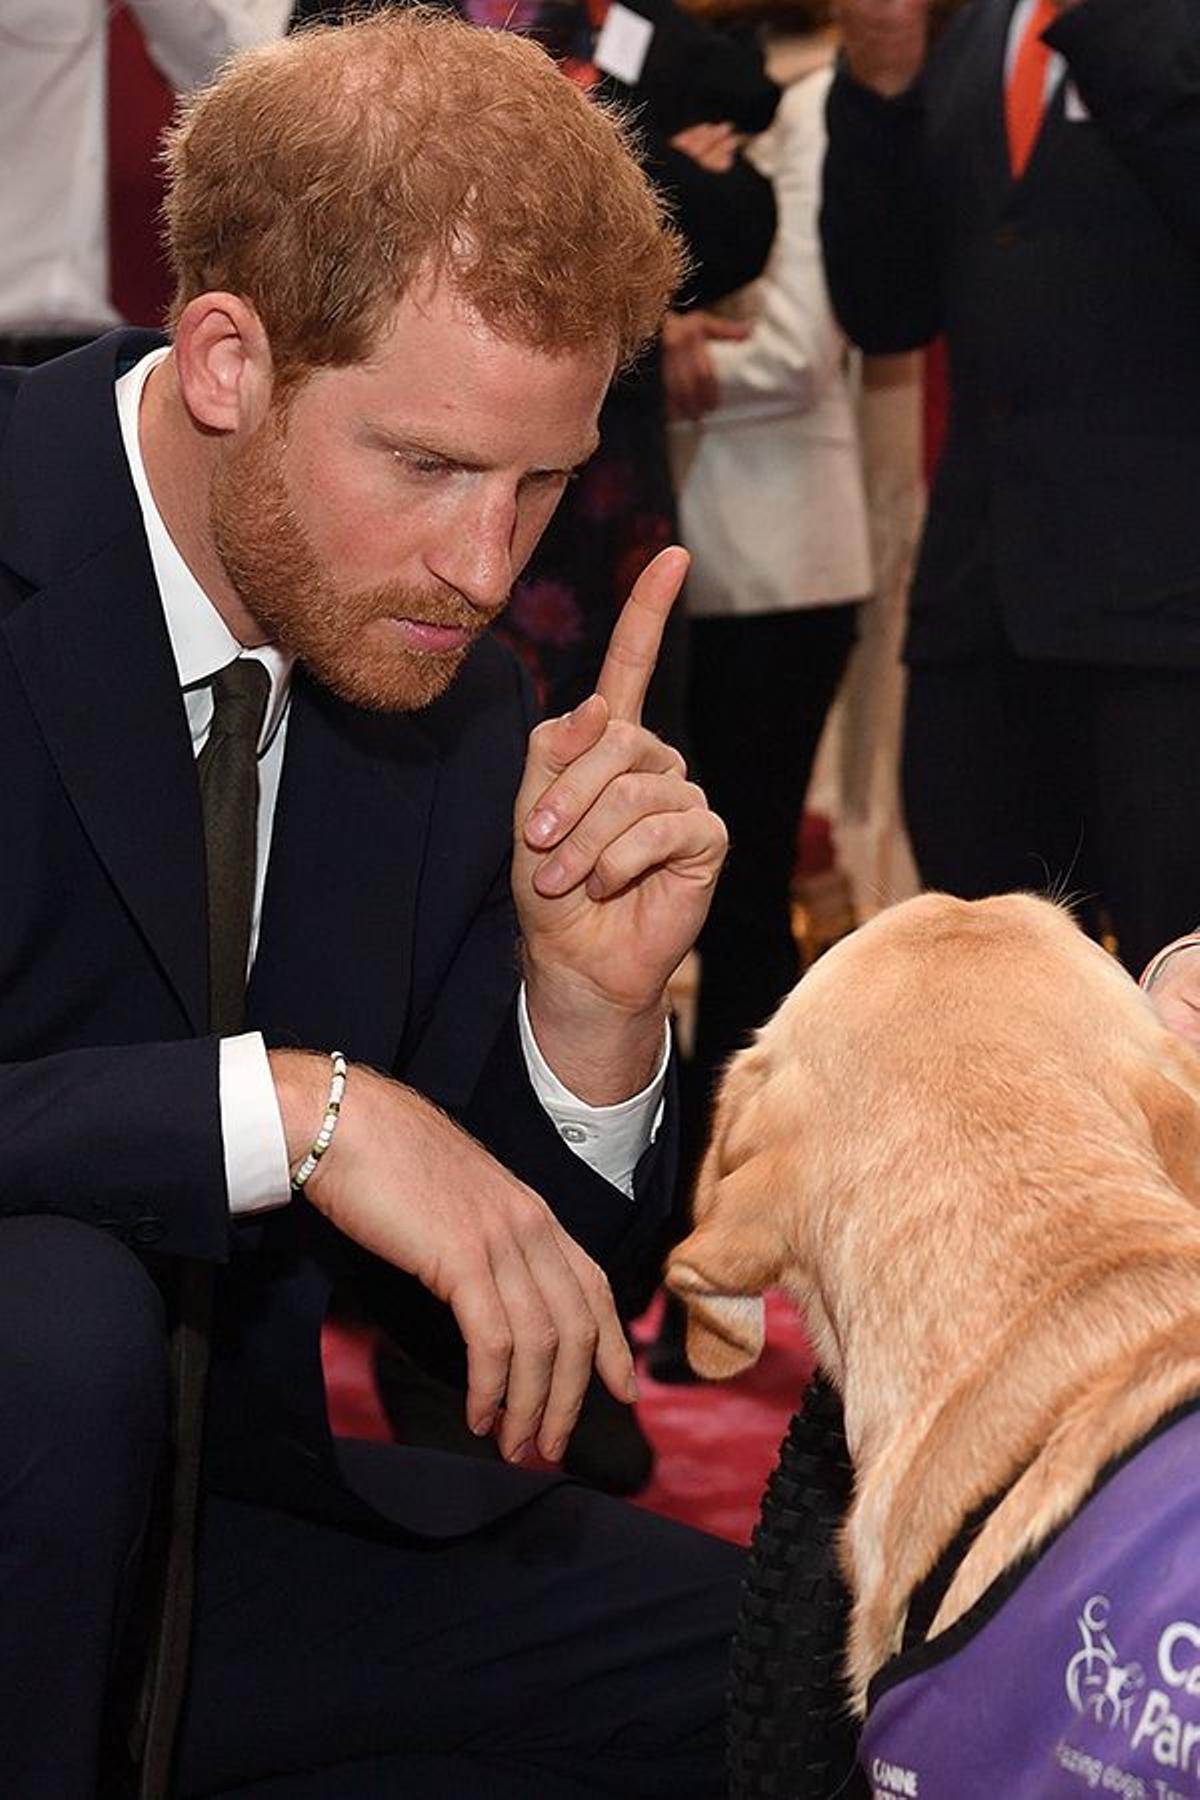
[{"x": 791, "y": 1736}]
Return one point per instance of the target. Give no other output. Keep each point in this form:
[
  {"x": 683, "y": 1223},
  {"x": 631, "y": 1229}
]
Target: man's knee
[{"x": 83, "y": 1375}]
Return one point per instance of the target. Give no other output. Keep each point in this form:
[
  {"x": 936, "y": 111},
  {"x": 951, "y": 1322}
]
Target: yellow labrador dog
[{"x": 970, "y": 1152}]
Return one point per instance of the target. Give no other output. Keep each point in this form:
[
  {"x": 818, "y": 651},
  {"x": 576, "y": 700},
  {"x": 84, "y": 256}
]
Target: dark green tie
[{"x": 227, "y": 769}]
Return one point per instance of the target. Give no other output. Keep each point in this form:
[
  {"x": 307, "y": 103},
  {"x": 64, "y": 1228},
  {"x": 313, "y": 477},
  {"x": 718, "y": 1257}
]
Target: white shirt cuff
[
  {"x": 257, "y": 1177},
  {"x": 610, "y": 1139},
  {"x": 1157, "y": 963}
]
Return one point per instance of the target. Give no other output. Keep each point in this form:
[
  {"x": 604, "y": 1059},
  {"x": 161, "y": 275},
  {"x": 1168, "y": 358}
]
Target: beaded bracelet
[
  {"x": 1154, "y": 967},
  {"x": 324, "y": 1137}
]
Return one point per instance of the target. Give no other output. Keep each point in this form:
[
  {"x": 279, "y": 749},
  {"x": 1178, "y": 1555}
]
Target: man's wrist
[
  {"x": 602, "y": 1051},
  {"x": 610, "y": 1139},
  {"x": 301, "y": 1079},
  {"x": 1158, "y": 962},
  {"x": 256, "y": 1164}
]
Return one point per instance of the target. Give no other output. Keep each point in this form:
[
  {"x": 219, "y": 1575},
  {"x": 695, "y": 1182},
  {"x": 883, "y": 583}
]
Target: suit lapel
[
  {"x": 91, "y": 648},
  {"x": 966, "y": 99},
  {"x": 334, "y": 964},
  {"x": 992, "y": 137},
  {"x": 1053, "y": 125}
]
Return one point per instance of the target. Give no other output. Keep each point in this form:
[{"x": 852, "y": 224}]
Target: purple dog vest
[{"x": 1083, "y": 1677}]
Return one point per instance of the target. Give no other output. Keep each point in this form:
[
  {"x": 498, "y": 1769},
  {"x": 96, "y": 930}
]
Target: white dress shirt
[
  {"x": 610, "y": 1139},
  {"x": 53, "y": 140},
  {"x": 1016, "y": 31}
]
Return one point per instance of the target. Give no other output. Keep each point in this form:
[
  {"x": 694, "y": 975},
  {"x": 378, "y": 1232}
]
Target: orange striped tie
[{"x": 1025, "y": 96}]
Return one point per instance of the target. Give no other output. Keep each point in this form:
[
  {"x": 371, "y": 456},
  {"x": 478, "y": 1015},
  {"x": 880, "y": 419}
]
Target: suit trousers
[
  {"x": 1079, "y": 780},
  {"x": 760, "y": 689},
  {"x": 575, "y": 1647},
  {"x": 83, "y": 1422}
]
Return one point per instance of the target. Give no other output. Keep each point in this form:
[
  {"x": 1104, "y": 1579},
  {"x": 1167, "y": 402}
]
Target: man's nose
[{"x": 476, "y": 557}]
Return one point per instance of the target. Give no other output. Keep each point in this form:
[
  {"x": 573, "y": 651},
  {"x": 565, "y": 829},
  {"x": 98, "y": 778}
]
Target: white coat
[{"x": 770, "y": 483}]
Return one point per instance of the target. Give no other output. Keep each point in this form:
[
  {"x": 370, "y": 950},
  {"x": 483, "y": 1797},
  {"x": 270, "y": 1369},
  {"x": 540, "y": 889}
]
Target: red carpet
[{"x": 715, "y": 1444}]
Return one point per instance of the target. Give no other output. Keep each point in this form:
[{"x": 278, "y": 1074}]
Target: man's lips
[{"x": 419, "y": 634}]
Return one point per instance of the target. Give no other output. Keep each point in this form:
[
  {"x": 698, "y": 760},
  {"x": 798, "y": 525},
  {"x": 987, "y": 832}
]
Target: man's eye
[{"x": 423, "y": 465}]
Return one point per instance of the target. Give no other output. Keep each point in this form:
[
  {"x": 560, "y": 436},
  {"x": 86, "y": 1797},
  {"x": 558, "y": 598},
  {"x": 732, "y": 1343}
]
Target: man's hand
[
  {"x": 1175, "y": 993},
  {"x": 713, "y": 146},
  {"x": 403, "y": 1181},
  {"x": 884, "y": 41},
  {"x": 615, "y": 858},
  {"x": 689, "y": 374}
]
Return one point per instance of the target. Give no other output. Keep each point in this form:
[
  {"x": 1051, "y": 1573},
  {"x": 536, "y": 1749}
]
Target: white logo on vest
[
  {"x": 1099, "y": 1685},
  {"x": 1097, "y": 1682}
]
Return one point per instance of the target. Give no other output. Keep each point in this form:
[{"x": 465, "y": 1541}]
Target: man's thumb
[{"x": 730, "y": 330}]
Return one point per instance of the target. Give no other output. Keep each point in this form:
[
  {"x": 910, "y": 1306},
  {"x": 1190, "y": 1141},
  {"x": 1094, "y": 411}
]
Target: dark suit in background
[
  {"x": 337, "y": 1584},
  {"x": 1054, "y": 648}
]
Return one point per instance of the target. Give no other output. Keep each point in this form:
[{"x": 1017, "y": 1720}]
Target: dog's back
[{"x": 970, "y": 1150}]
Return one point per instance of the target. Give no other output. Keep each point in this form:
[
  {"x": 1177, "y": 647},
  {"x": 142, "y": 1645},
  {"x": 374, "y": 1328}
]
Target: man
[
  {"x": 289, "y": 532},
  {"x": 1028, "y": 188}
]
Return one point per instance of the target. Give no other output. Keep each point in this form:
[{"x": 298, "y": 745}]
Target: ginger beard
[{"x": 343, "y": 636}]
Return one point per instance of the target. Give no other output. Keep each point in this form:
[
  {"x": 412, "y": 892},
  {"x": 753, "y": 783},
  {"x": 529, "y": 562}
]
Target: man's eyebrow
[{"x": 415, "y": 445}]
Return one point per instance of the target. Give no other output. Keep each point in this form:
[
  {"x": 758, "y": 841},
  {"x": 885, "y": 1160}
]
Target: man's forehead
[{"x": 440, "y": 379}]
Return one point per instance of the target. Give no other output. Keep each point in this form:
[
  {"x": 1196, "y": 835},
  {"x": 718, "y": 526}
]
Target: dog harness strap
[
  {"x": 928, "y": 1595},
  {"x": 1085, "y": 1676}
]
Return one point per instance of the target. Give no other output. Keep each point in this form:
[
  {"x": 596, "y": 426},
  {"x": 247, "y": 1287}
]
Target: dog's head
[{"x": 936, "y": 1061}]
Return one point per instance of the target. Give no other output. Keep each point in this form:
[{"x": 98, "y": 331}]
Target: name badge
[{"x": 621, "y": 47}]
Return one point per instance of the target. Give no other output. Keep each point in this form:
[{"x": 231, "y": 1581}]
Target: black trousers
[
  {"x": 576, "y": 1648},
  {"x": 1080, "y": 780},
  {"x": 760, "y": 689},
  {"x": 83, "y": 1421}
]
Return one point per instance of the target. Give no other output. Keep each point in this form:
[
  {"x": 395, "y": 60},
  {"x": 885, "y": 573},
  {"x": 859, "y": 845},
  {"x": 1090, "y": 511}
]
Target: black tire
[{"x": 791, "y": 1736}]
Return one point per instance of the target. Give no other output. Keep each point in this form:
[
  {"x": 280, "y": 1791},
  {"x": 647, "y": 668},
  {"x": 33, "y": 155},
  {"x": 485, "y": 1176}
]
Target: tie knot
[{"x": 240, "y": 693}]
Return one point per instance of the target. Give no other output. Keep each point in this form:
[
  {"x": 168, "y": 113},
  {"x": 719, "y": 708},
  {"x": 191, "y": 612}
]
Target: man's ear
[{"x": 223, "y": 362}]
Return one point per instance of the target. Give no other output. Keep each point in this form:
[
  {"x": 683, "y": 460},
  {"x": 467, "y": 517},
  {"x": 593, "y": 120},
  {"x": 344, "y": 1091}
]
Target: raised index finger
[{"x": 633, "y": 647}]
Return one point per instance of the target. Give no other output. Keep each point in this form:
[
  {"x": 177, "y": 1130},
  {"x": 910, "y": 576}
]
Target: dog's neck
[
  {"x": 888, "y": 1320},
  {"x": 993, "y": 1421}
]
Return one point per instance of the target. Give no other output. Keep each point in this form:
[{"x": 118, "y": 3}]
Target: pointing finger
[{"x": 636, "y": 637}]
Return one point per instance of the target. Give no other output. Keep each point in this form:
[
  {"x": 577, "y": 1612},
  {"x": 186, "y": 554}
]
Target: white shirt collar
[
  {"x": 1016, "y": 31},
  {"x": 201, "y": 641}
]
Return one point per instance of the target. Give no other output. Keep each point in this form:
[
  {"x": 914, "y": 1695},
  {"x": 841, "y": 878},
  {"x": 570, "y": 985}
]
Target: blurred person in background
[
  {"x": 696, "y": 94},
  {"x": 772, "y": 508},
  {"x": 55, "y": 278},
  {"x": 1030, "y": 187}
]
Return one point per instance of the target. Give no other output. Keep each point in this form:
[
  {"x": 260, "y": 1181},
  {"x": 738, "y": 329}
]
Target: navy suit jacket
[
  {"x": 1063, "y": 517},
  {"x": 387, "y": 931}
]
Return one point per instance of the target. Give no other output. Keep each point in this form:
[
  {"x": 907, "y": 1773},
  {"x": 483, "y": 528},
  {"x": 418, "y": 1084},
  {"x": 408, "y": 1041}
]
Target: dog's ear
[
  {"x": 744, "y": 1192},
  {"x": 1171, "y": 1103},
  {"x": 722, "y": 1270},
  {"x": 725, "y": 1332}
]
